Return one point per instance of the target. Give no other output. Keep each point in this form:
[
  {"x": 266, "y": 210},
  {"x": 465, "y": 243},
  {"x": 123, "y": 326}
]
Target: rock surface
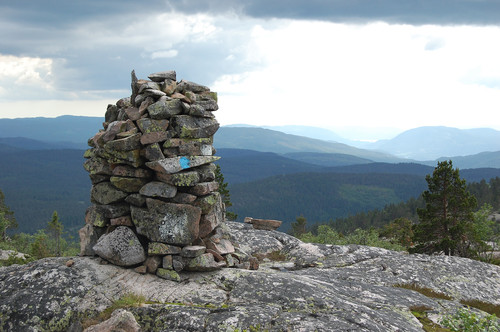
[{"x": 316, "y": 287}]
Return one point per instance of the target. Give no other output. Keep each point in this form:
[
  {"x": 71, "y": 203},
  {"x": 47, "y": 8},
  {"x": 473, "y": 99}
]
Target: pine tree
[
  {"x": 7, "y": 220},
  {"x": 224, "y": 192},
  {"x": 299, "y": 226},
  {"x": 55, "y": 228},
  {"x": 446, "y": 222}
]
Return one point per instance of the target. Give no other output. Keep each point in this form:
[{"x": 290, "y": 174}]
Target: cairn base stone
[
  {"x": 120, "y": 247},
  {"x": 171, "y": 223}
]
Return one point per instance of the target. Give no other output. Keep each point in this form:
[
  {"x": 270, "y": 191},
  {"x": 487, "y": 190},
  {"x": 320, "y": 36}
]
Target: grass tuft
[
  {"x": 492, "y": 309},
  {"x": 425, "y": 291}
]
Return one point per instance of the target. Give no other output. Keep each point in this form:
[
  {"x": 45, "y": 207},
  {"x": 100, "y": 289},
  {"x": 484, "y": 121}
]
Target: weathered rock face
[
  {"x": 152, "y": 176},
  {"x": 315, "y": 287}
]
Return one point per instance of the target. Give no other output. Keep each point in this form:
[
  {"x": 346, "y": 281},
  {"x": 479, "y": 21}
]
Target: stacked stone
[{"x": 154, "y": 197}]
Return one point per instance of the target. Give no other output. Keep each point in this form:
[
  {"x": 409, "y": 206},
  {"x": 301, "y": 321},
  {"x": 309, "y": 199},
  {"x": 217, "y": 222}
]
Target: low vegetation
[
  {"x": 466, "y": 320},
  {"x": 444, "y": 220},
  {"x": 48, "y": 242},
  {"x": 128, "y": 300}
]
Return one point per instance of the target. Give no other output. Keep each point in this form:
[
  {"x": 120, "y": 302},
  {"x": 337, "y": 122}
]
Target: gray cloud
[
  {"x": 477, "y": 12},
  {"x": 93, "y": 50}
]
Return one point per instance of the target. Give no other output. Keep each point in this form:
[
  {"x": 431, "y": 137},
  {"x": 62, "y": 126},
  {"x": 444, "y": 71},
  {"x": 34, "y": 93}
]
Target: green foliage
[
  {"x": 55, "y": 229},
  {"x": 487, "y": 192},
  {"x": 446, "y": 221},
  {"x": 224, "y": 192},
  {"x": 465, "y": 320},
  {"x": 15, "y": 259},
  {"x": 39, "y": 248},
  {"x": 420, "y": 312},
  {"x": 127, "y": 300},
  {"x": 37, "y": 183},
  {"x": 7, "y": 220},
  {"x": 327, "y": 235},
  {"x": 323, "y": 196},
  {"x": 299, "y": 226},
  {"x": 400, "y": 231}
]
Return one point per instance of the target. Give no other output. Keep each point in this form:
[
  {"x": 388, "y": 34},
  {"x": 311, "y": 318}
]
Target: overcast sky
[{"x": 382, "y": 65}]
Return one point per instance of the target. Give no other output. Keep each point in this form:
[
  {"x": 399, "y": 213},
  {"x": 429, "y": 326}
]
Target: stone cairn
[{"x": 155, "y": 204}]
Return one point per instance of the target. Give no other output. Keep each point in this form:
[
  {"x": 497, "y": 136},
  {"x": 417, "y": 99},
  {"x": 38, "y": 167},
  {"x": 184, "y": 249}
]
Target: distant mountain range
[
  {"x": 271, "y": 174},
  {"x": 423, "y": 144},
  {"x": 426, "y": 143}
]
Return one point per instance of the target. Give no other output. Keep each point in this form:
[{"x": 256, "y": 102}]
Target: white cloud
[
  {"x": 24, "y": 72},
  {"x": 327, "y": 74},
  {"x": 164, "y": 54},
  {"x": 53, "y": 108}
]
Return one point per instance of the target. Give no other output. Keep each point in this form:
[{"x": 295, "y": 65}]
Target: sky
[{"x": 366, "y": 69}]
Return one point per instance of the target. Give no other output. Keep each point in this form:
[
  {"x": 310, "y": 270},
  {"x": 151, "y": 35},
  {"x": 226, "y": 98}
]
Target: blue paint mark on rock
[{"x": 184, "y": 162}]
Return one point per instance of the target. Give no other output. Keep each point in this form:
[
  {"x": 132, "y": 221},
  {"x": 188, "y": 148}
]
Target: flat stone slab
[
  {"x": 177, "y": 164},
  {"x": 264, "y": 224}
]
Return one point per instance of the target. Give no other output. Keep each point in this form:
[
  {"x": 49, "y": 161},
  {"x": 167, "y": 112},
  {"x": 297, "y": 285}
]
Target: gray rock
[
  {"x": 163, "y": 75},
  {"x": 211, "y": 220},
  {"x": 193, "y": 251},
  {"x": 204, "y": 188},
  {"x": 177, "y": 164},
  {"x": 165, "y": 109},
  {"x": 158, "y": 189},
  {"x": 120, "y": 247},
  {"x": 114, "y": 211},
  {"x": 181, "y": 179},
  {"x": 184, "y": 86},
  {"x": 136, "y": 200},
  {"x": 120, "y": 320},
  {"x": 95, "y": 217},
  {"x": 319, "y": 287},
  {"x": 128, "y": 171},
  {"x": 105, "y": 193},
  {"x": 193, "y": 127},
  {"x": 128, "y": 185},
  {"x": 171, "y": 223},
  {"x": 124, "y": 144},
  {"x": 203, "y": 263},
  {"x": 153, "y": 152}
]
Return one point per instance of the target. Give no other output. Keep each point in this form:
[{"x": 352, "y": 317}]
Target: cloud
[
  {"x": 164, "y": 54},
  {"x": 418, "y": 12},
  {"x": 19, "y": 75},
  {"x": 370, "y": 75}
]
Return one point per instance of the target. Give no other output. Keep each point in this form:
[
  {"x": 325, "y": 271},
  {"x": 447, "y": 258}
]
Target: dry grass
[{"x": 425, "y": 291}]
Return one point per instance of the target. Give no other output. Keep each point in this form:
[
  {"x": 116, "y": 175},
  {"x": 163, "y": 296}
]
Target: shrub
[{"x": 465, "y": 320}]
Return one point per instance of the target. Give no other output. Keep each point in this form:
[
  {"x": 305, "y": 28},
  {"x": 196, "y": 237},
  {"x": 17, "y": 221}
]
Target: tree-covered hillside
[
  {"x": 36, "y": 183},
  {"x": 321, "y": 196}
]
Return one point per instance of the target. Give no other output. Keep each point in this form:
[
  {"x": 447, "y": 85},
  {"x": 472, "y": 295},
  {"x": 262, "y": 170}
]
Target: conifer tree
[
  {"x": 446, "y": 222},
  {"x": 224, "y": 192},
  {"x": 55, "y": 228},
  {"x": 7, "y": 220},
  {"x": 299, "y": 226}
]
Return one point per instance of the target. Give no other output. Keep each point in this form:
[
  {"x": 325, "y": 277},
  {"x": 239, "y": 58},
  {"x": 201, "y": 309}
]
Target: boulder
[
  {"x": 120, "y": 247},
  {"x": 171, "y": 223}
]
